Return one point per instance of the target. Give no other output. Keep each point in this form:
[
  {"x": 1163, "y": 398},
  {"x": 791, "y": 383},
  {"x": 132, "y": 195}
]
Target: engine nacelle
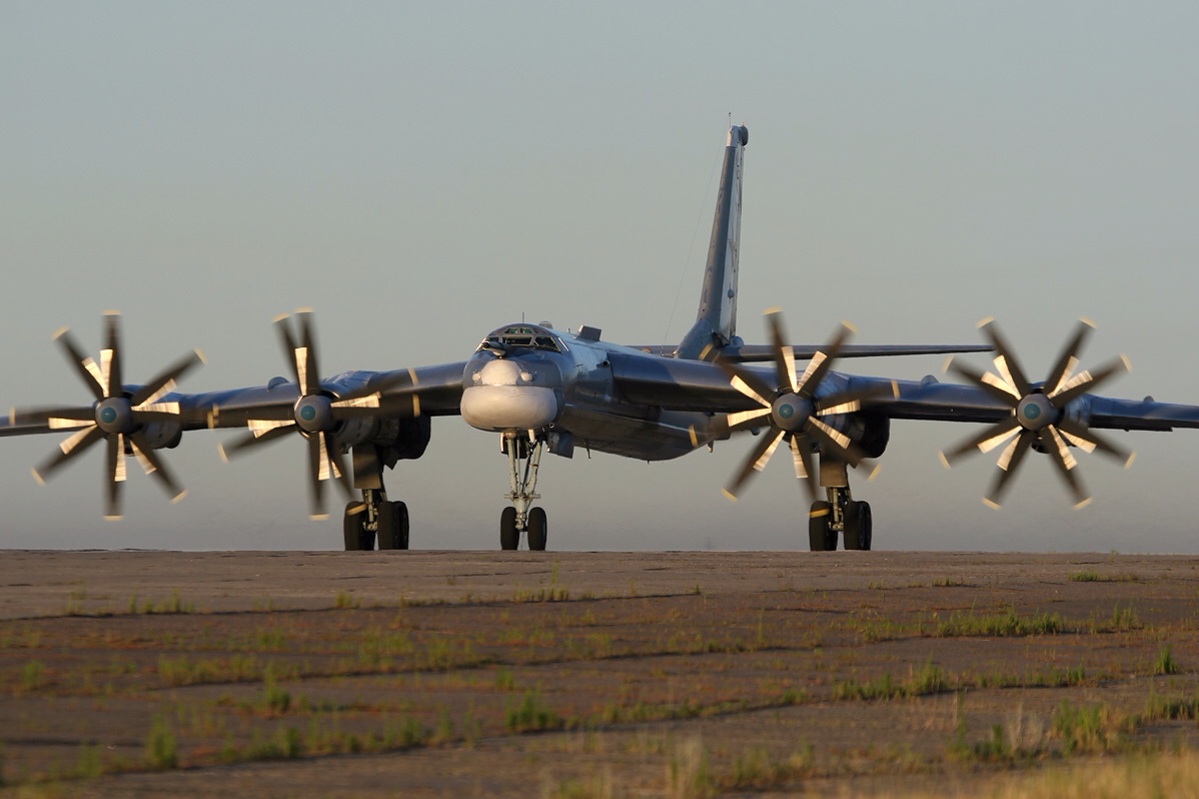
[
  {"x": 870, "y": 431},
  {"x": 162, "y": 435}
]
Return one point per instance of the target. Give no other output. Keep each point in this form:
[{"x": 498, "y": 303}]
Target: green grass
[
  {"x": 531, "y": 714},
  {"x": 1165, "y": 663},
  {"x": 999, "y": 625},
  {"x": 160, "y": 746}
]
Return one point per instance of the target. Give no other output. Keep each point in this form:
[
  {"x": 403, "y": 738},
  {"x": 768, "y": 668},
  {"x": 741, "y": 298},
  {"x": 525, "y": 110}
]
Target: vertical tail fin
[{"x": 716, "y": 322}]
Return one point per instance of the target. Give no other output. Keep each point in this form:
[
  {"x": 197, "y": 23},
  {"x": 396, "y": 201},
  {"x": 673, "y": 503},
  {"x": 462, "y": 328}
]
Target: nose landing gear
[{"x": 524, "y": 459}]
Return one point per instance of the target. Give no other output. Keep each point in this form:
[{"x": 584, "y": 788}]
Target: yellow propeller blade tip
[
  {"x": 305, "y": 309},
  {"x": 1127, "y": 363},
  {"x": 816, "y": 514},
  {"x": 849, "y": 326},
  {"x": 945, "y": 366},
  {"x": 112, "y": 313},
  {"x": 772, "y": 310},
  {"x": 944, "y": 460},
  {"x": 1086, "y": 322},
  {"x": 57, "y": 334},
  {"x": 179, "y": 496},
  {"x": 730, "y": 497},
  {"x": 1083, "y": 504},
  {"x": 985, "y": 321},
  {"x": 40, "y": 480},
  {"x": 113, "y": 518},
  {"x": 1132, "y": 456},
  {"x": 319, "y": 517},
  {"x": 200, "y": 354},
  {"x": 990, "y": 503},
  {"x": 221, "y": 449}
]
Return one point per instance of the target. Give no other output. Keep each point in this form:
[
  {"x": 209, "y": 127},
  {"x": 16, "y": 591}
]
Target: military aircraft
[{"x": 543, "y": 389}]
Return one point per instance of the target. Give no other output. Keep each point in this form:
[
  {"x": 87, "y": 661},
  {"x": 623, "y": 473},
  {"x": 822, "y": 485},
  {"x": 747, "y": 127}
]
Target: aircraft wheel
[
  {"x": 352, "y": 527},
  {"x": 509, "y": 535},
  {"x": 858, "y": 524},
  {"x": 818, "y": 529},
  {"x": 393, "y": 525},
  {"x": 538, "y": 530}
]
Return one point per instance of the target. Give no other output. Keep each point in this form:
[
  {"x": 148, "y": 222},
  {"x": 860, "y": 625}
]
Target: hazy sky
[{"x": 420, "y": 173}]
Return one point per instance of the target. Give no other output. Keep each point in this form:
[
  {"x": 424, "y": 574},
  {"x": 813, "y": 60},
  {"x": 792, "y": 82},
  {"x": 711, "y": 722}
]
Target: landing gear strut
[
  {"x": 375, "y": 519},
  {"x": 840, "y": 514},
  {"x": 524, "y": 459}
]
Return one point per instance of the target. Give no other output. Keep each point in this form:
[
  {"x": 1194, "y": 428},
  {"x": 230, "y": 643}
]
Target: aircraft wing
[
  {"x": 759, "y": 353},
  {"x": 425, "y": 391}
]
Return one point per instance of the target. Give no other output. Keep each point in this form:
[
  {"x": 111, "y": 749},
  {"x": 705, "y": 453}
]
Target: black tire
[
  {"x": 352, "y": 528},
  {"x": 853, "y": 532},
  {"x": 858, "y": 523},
  {"x": 393, "y": 525},
  {"x": 509, "y": 535},
  {"x": 538, "y": 530},
  {"x": 818, "y": 531},
  {"x": 402, "y": 536},
  {"x": 866, "y": 521}
]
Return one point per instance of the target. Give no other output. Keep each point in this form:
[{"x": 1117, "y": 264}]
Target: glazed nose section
[{"x": 504, "y": 395}]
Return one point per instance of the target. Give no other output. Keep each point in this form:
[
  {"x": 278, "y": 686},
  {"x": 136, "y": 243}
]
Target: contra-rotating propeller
[
  {"x": 117, "y": 416},
  {"x": 793, "y": 409},
  {"x": 1040, "y": 413},
  {"x": 317, "y": 414}
]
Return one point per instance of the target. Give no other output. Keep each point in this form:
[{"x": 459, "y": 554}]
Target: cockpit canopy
[{"x": 522, "y": 336}]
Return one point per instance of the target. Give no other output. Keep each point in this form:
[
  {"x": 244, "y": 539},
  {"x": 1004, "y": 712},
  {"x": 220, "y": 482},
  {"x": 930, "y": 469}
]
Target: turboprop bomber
[{"x": 541, "y": 389}]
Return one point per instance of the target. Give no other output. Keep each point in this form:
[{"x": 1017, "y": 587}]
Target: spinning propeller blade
[
  {"x": 1039, "y": 413},
  {"x": 317, "y": 414},
  {"x": 794, "y": 410},
  {"x": 117, "y": 416}
]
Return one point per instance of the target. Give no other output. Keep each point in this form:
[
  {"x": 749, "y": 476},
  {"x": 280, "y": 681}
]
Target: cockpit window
[{"x": 522, "y": 336}]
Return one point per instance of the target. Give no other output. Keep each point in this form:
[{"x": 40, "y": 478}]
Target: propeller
[
  {"x": 117, "y": 416},
  {"x": 317, "y": 413},
  {"x": 1040, "y": 415},
  {"x": 794, "y": 409}
]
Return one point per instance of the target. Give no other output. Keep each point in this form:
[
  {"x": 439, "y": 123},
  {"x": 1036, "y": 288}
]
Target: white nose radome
[{"x": 500, "y": 408}]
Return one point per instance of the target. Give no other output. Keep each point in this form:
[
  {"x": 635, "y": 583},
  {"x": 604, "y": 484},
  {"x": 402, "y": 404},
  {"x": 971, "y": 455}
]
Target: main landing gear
[
  {"x": 524, "y": 458},
  {"x": 375, "y": 519},
  {"x": 839, "y": 514}
]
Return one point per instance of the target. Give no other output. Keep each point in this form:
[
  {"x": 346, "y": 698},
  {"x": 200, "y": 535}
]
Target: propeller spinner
[
  {"x": 794, "y": 410},
  {"x": 1039, "y": 413},
  {"x": 117, "y": 416}
]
